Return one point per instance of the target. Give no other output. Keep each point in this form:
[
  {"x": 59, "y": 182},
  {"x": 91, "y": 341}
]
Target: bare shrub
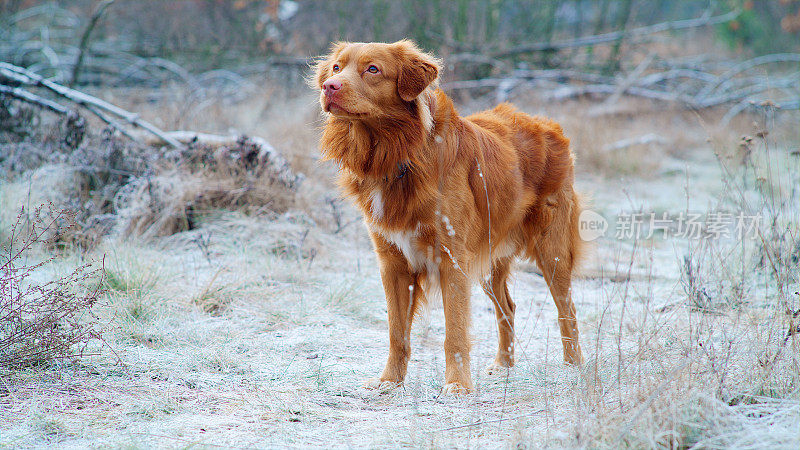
[
  {"x": 43, "y": 322},
  {"x": 698, "y": 294}
]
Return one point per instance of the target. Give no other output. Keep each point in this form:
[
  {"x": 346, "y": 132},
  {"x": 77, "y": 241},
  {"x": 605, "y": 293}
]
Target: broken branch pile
[
  {"x": 692, "y": 85},
  {"x": 698, "y": 83},
  {"x": 12, "y": 78}
]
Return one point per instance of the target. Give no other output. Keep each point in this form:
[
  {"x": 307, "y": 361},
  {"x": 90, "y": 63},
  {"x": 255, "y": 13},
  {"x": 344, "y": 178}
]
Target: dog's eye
[
  {"x": 373, "y": 69},
  {"x": 335, "y": 68}
]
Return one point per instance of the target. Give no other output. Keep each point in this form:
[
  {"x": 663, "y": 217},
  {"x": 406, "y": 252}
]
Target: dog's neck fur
[{"x": 381, "y": 147}]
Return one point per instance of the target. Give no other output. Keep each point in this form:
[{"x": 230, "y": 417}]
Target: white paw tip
[
  {"x": 497, "y": 369},
  {"x": 381, "y": 385},
  {"x": 454, "y": 389}
]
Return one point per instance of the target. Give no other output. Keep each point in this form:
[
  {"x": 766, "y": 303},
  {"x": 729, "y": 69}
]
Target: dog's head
[{"x": 373, "y": 80}]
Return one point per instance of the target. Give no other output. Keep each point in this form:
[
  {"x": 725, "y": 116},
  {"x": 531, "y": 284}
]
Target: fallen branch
[
  {"x": 747, "y": 93},
  {"x": 160, "y": 63},
  {"x": 272, "y": 159},
  {"x": 475, "y": 58},
  {"x": 629, "y": 80},
  {"x": 530, "y": 75},
  {"x": 112, "y": 123},
  {"x": 673, "y": 74},
  {"x": 608, "y": 89},
  {"x": 26, "y": 77},
  {"x": 28, "y": 97},
  {"x": 749, "y": 64},
  {"x": 273, "y": 61},
  {"x": 474, "y": 84},
  {"x": 31, "y": 98},
  {"x": 616, "y": 35},
  {"x": 649, "y": 138}
]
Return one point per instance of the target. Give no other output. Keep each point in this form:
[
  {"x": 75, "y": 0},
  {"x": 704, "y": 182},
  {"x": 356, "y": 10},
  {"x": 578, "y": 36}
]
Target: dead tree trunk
[
  {"x": 613, "y": 63},
  {"x": 101, "y": 8}
]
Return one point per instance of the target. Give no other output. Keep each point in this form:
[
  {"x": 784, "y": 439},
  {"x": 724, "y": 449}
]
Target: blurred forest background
[
  {"x": 119, "y": 42},
  {"x": 698, "y": 54}
]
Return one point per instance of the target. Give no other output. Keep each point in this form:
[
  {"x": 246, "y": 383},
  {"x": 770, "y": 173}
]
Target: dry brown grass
[{"x": 177, "y": 197}]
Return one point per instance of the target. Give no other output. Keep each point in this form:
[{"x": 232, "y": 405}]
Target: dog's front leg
[
  {"x": 402, "y": 295},
  {"x": 456, "y": 300}
]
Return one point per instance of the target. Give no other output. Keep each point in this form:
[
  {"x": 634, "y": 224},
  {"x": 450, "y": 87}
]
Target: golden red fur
[{"x": 448, "y": 200}]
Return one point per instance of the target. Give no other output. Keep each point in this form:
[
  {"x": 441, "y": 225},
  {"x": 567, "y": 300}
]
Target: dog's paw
[
  {"x": 382, "y": 386},
  {"x": 497, "y": 370},
  {"x": 455, "y": 389},
  {"x": 573, "y": 360}
]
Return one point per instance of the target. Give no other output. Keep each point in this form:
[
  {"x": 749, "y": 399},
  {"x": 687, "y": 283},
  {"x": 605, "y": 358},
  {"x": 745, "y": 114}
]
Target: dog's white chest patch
[
  {"x": 420, "y": 259},
  {"x": 376, "y": 204},
  {"x": 406, "y": 242}
]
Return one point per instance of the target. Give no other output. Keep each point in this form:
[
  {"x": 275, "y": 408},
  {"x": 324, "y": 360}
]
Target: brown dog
[{"x": 448, "y": 200}]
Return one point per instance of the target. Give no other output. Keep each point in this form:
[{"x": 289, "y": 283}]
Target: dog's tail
[
  {"x": 556, "y": 232},
  {"x": 579, "y": 248}
]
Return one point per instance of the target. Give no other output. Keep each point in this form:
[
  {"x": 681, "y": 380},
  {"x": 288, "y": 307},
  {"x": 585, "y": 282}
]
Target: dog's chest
[
  {"x": 417, "y": 251},
  {"x": 410, "y": 241}
]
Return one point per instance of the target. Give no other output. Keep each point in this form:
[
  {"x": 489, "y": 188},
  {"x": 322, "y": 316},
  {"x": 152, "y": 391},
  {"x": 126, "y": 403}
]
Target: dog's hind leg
[
  {"x": 556, "y": 255},
  {"x": 497, "y": 290}
]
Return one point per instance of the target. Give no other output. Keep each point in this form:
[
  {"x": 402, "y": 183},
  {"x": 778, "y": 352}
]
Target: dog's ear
[
  {"x": 322, "y": 66},
  {"x": 417, "y": 71}
]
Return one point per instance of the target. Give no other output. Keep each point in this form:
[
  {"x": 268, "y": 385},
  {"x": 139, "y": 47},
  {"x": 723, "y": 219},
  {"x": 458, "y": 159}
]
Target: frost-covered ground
[{"x": 258, "y": 332}]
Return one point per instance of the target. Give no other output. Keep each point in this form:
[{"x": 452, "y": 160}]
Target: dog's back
[{"x": 542, "y": 149}]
